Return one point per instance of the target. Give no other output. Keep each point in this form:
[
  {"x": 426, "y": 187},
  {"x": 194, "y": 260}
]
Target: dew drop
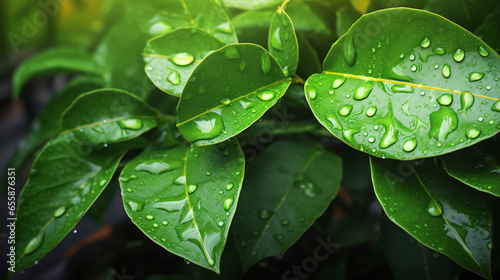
[
  {"x": 348, "y": 134},
  {"x": 371, "y": 139},
  {"x": 459, "y": 55},
  {"x": 439, "y": 51},
  {"x": 425, "y": 43},
  {"x": 264, "y": 214},
  {"x": 445, "y": 99},
  {"x": 335, "y": 122},
  {"x": 276, "y": 40},
  {"x": 229, "y": 186},
  {"x": 134, "y": 124},
  {"x": 284, "y": 223},
  {"x": 191, "y": 189},
  {"x": 389, "y": 138},
  {"x": 279, "y": 238},
  {"x": 413, "y": 68},
  {"x": 265, "y": 63},
  {"x": 446, "y": 70},
  {"x": 466, "y": 100},
  {"x": 483, "y": 51},
  {"x": 349, "y": 50},
  {"x": 149, "y": 217},
  {"x": 231, "y": 52},
  {"x": 496, "y": 106},
  {"x": 443, "y": 122},
  {"x": 338, "y": 82},
  {"x": 182, "y": 59},
  {"x": 434, "y": 208},
  {"x": 34, "y": 243},
  {"x": 60, "y": 211},
  {"x": 489, "y": 245},
  {"x": 345, "y": 110},
  {"x": 158, "y": 28},
  {"x": 174, "y": 78},
  {"x": 135, "y": 206},
  {"x": 311, "y": 93},
  {"x": 228, "y": 203},
  {"x": 165, "y": 223},
  {"x": 181, "y": 180},
  {"x": 409, "y": 145},
  {"x": 221, "y": 223},
  {"x": 371, "y": 111},
  {"x": 363, "y": 90},
  {"x": 402, "y": 89},
  {"x": 412, "y": 57},
  {"x": 207, "y": 126},
  {"x": 225, "y": 101},
  {"x": 475, "y": 76},
  {"x": 158, "y": 166},
  {"x": 472, "y": 133}
]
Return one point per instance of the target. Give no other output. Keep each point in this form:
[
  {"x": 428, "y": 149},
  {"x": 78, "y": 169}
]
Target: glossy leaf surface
[
  {"x": 477, "y": 166},
  {"x": 251, "y": 5},
  {"x": 159, "y": 17},
  {"x": 283, "y": 43},
  {"x": 437, "y": 210},
  {"x": 48, "y": 123},
  {"x": 228, "y": 91},
  {"x": 171, "y": 58},
  {"x": 66, "y": 179},
  {"x": 287, "y": 187},
  {"x": 54, "y": 61},
  {"x": 431, "y": 93},
  {"x": 184, "y": 198},
  {"x": 410, "y": 260}
]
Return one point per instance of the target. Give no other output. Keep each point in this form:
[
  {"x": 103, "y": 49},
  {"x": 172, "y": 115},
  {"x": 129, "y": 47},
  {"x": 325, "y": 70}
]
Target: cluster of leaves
[{"x": 399, "y": 85}]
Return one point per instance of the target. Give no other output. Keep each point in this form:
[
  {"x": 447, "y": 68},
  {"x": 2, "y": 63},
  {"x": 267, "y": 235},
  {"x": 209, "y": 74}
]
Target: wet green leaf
[
  {"x": 432, "y": 93},
  {"x": 54, "y": 61},
  {"x": 437, "y": 210},
  {"x": 477, "y": 166},
  {"x": 66, "y": 179},
  {"x": 410, "y": 260},
  {"x": 228, "y": 91},
  {"x": 287, "y": 187},
  {"x": 184, "y": 198},
  {"x": 282, "y": 42},
  {"x": 48, "y": 123},
  {"x": 171, "y": 58},
  {"x": 251, "y": 5},
  {"x": 106, "y": 116},
  {"x": 158, "y": 17}
]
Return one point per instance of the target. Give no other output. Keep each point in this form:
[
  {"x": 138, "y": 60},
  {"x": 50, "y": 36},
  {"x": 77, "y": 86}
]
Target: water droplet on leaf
[
  {"x": 349, "y": 50},
  {"x": 34, "y": 243},
  {"x": 445, "y": 99},
  {"x": 182, "y": 59},
  {"x": 459, "y": 55},
  {"x": 466, "y": 100},
  {"x": 446, "y": 70},
  {"x": 475, "y": 76},
  {"x": 425, "y": 43}
]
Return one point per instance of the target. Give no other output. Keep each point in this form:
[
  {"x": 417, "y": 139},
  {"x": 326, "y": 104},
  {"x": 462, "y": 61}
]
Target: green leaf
[
  {"x": 251, "y": 5},
  {"x": 171, "y": 58},
  {"x": 106, "y": 116},
  {"x": 477, "y": 166},
  {"x": 308, "y": 58},
  {"x": 286, "y": 189},
  {"x": 437, "y": 210},
  {"x": 431, "y": 92},
  {"x": 66, "y": 179},
  {"x": 184, "y": 198},
  {"x": 228, "y": 91},
  {"x": 346, "y": 17},
  {"x": 48, "y": 123},
  {"x": 489, "y": 31},
  {"x": 53, "y": 61},
  {"x": 283, "y": 42},
  {"x": 158, "y": 17},
  {"x": 410, "y": 260}
]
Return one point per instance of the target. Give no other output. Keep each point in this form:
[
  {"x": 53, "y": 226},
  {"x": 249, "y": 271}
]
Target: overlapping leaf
[
  {"x": 287, "y": 187},
  {"x": 283, "y": 42},
  {"x": 477, "y": 166},
  {"x": 408, "y": 90},
  {"x": 228, "y": 91},
  {"x": 437, "y": 210},
  {"x": 184, "y": 198},
  {"x": 53, "y": 61},
  {"x": 251, "y": 5},
  {"x": 171, "y": 58}
]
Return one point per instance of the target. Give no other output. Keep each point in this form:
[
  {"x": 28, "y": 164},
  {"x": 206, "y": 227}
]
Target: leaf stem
[{"x": 297, "y": 79}]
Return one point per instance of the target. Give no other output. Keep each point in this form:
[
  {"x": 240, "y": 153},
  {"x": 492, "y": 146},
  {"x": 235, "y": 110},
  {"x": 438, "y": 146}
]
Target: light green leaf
[
  {"x": 228, "y": 91},
  {"x": 437, "y": 210},
  {"x": 410, "y": 260},
  {"x": 106, "y": 116},
  {"x": 66, "y": 179},
  {"x": 283, "y": 42},
  {"x": 48, "y": 123},
  {"x": 54, "y": 61},
  {"x": 158, "y": 17},
  {"x": 171, "y": 58},
  {"x": 477, "y": 166},
  {"x": 412, "y": 91},
  {"x": 251, "y": 5},
  {"x": 287, "y": 187},
  {"x": 184, "y": 198}
]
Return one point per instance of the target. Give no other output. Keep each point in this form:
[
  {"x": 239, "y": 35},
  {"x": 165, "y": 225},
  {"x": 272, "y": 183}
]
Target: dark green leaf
[
  {"x": 53, "y": 61},
  {"x": 351, "y": 231},
  {"x": 283, "y": 42},
  {"x": 410, "y": 260},
  {"x": 48, "y": 123},
  {"x": 171, "y": 58},
  {"x": 477, "y": 166},
  {"x": 346, "y": 17},
  {"x": 106, "y": 116},
  {"x": 308, "y": 58},
  {"x": 489, "y": 31},
  {"x": 286, "y": 189},
  {"x": 184, "y": 198},
  {"x": 437, "y": 210},
  {"x": 158, "y": 17},
  {"x": 251, "y": 5},
  {"x": 428, "y": 93},
  {"x": 66, "y": 178},
  {"x": 228, "y": 91}
]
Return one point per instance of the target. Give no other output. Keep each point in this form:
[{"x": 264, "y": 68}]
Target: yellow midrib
[{"x": 420, "y": 86}]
